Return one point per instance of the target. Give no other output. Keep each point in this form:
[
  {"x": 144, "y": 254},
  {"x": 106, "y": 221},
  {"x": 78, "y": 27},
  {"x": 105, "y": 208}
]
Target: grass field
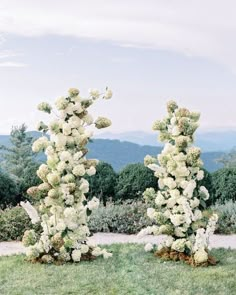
[{"x": 129, "y": 271}]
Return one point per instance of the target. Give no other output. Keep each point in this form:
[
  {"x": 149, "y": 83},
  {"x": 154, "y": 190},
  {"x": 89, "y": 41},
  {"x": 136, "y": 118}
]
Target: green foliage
[
  {"x": 207, "y": 182},
  {"x": 130, "y": 271},
  {"x": 19, "y": 160},
  {"x": 127, "y": 218},
  {"x": 227, "y": 217},
  {"x": 224, "y": 185},
  {"x": 133, "y": 180},
  {"x": 13, "y": 223},
  {"x": 29, "y": 178},
  {"x": 102, "y": 184},
  {"x": 8, "y": 190}
]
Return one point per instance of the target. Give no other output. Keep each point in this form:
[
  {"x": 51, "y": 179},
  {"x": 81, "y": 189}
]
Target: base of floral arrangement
[
  {"x": 51, "y": 258},
  {"x": 169, "y": 254}
]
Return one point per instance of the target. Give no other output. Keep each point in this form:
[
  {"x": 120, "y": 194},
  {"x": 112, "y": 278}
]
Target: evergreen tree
[{"x": 18, "y": 160}]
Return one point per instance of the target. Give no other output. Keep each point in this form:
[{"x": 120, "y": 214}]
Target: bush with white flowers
[
  {"x": 176, "y": 209},
  {"x": 64, "y": 209}
]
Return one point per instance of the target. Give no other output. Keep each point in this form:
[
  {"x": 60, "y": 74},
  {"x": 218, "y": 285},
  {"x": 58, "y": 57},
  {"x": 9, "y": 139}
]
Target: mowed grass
[{"x": 129, "y": 271}]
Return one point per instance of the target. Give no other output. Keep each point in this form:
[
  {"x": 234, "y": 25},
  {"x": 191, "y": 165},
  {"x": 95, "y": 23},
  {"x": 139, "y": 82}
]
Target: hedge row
[{"x": 127, "y": 218}]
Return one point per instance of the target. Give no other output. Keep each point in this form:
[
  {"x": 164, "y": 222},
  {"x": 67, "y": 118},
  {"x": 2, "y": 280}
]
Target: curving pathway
[{"x": 216, "y": 241}]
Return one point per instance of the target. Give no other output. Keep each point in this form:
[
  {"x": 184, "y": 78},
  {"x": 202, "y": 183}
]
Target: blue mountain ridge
[
  {"x": 120, "y": 153},
  {"x": 208, "y": 141}
]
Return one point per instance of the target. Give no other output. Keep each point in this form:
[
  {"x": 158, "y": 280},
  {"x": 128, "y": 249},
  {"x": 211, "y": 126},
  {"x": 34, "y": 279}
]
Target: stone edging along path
[{"x": 216, "y": 241}]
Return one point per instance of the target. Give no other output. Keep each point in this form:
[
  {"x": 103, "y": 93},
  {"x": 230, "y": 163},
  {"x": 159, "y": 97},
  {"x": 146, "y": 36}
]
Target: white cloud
[
  {"x": 193, "y": 28},
  {"x": 7, "y": 54},
  {"x": 11, "y": 64}
]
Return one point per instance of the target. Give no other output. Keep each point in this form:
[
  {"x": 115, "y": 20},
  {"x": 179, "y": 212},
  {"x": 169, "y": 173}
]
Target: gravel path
[{"x": 216, "y": 241}]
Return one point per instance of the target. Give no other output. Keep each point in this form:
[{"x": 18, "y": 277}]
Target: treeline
[
  {"x": 129, "y": 184},
  {"x": 19, "y": 166}
]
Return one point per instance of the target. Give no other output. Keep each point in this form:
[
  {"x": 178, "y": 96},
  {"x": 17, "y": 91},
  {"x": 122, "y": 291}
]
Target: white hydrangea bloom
[
  {"x": 93, "y": 204},
  {"x": 148, "y": 247},
  {"x": 151, "y": 213},
  {"x": 61, "y": 103},
  {"x": 40, "y": 144},
  {"x": 65, "y": 156},
  {"x": 160, "y": 199},
  {"x": 66, "y": 129},
  {"x": 76, "y": 255},
  {"x": 74, "y": 122},
  {"x": 200, "y": 256},
  {"x": 106, "y": 254},
  {"x": 84, "y": 248},
  {"x": 84, "y": 186},
  {"x": 94, "y": 93},
  {"x": 53, "y": 178},
  {"x": 79, "y": 170},
  {"x": 91, "y": 171},
  {"x": 60, "y": 141},
  {"x": 204, "y": 192},
  {"x": 108, "y": 94},
  {"x": 200, "y": 175},
  {"x": 169, "y": 182}
]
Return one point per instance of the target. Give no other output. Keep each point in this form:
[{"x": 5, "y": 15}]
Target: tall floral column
[
  {"x": 64, "y": 209},
  {"x": 176, "y": 209}
]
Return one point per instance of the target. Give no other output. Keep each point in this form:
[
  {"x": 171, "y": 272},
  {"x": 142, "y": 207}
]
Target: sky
[{"x": 146, "y": 51}]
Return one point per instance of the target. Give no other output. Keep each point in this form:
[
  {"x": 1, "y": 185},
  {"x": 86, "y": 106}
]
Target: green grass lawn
[{"x": 129, "y": 271}]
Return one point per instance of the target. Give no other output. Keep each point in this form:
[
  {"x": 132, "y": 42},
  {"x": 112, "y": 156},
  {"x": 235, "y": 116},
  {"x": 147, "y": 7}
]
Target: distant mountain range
[
  {"x": 213, "y": 141},
  {"x": 120, "y": 153}
]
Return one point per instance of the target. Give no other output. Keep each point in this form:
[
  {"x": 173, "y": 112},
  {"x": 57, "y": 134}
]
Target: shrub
[
  {"x": 227, "y": 217},
  {"x": 13, "y": 223},
  {"x": 127, "y": 218},
  {"x": 8, "y": 190},
  {"x": 133, "y": 181},
  {"x": 224, "y": 185}
]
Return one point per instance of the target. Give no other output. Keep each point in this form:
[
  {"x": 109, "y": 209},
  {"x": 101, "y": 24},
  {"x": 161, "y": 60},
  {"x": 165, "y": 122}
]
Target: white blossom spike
[{"x": 31, "y": 211}]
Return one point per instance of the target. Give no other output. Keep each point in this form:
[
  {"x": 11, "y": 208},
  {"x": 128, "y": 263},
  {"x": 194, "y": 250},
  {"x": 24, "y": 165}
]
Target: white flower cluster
[
  {"x": 178, "y": 203},
  {"x": 64, "y": 208}
]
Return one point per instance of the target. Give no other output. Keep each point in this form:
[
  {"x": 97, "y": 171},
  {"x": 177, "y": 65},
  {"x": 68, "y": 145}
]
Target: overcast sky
[{"x": 146, "y": 51}]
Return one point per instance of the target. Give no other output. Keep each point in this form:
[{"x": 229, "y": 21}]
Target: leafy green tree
[
  {"x": 224, "y": 185},
  {"x": 102, "y": 184},
  {"x": 133, "y": 180},
  {"x": 8, "y": 190},
  {"x": 18, "y": 159}
]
